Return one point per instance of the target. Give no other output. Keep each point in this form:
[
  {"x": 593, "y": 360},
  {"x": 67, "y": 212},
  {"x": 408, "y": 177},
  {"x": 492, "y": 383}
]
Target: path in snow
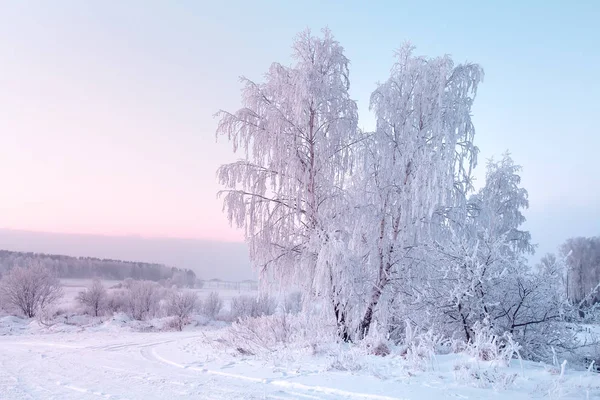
[{"x": 137, "y": 366}]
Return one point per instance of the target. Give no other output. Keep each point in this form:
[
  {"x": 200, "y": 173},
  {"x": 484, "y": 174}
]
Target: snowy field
[{"x": 108, "y": 359}]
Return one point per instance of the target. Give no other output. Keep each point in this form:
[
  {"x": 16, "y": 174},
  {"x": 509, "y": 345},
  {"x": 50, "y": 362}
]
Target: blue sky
[{"x": 106, "y": 108}]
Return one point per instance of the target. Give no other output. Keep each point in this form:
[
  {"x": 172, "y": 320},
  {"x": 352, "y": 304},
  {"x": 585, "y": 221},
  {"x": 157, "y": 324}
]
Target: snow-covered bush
[
  {"x": 94, "y": 298},
  {"x": 420, "y": 348},
  {"x": 487, "y": 346},
  {"x": 250, "y": 335},
  {"x": 212, "y": 305},
  {"x": 180, "y": 305},
  {"x": 142, "y": 299},
  {"x": 279, "y": 333},
  {"x": 29, "y": 290},
  {"x": 250, "y": 306},
  {"x": 483, "y": 376}
]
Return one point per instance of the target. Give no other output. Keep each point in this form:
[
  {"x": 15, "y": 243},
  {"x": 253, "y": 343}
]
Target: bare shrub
[
  {"x": 212, "y": 305},
  {"x": 249, "y": 306},
  {"x": 31, "y": 289},
  {"x": 94, "y": 298},
  {"x": 293, "y": 303},
  {"x": 142, "y": 299},
  {"x": 174, "y": 324},
  {"x": 180, "y": 305}
]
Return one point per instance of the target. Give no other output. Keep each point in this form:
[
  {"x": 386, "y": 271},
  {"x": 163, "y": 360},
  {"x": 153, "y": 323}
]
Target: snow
[{"x": 111, "y": 360}]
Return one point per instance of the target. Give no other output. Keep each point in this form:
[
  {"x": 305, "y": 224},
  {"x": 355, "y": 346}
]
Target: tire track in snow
[{"x": 83, "y": 390}]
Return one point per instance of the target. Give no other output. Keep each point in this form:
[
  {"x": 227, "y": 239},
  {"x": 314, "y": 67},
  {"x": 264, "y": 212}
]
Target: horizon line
[{"x": 121, "y": 235}]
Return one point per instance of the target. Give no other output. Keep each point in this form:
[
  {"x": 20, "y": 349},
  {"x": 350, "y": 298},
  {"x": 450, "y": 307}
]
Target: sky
[{"x": 106, "y": 108}]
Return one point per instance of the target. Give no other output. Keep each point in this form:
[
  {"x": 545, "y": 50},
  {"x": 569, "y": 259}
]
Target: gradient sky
[{"x": 106, "y": 108}]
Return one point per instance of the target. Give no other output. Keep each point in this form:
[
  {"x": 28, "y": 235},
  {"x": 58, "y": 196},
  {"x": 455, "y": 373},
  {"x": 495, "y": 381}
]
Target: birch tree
[
  {"x": 418, "y": 159},
  {"x": 295, "y": 132}
]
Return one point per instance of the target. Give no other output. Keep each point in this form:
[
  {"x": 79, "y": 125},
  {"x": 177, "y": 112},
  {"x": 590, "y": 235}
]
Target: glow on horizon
[{"x": 106, "y": 109}]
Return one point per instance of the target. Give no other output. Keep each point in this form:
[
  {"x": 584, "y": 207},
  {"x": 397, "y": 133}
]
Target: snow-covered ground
[{"x": 108, "y": 359}]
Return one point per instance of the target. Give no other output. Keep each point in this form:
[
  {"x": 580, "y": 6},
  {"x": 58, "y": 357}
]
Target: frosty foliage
[
  {"x": 293, "y": 303},
  {"x": 419, "y": 159},
  {"x": 30, "y": 290},
  {"x": 212, "y": 305},
  {"x": 386, "y": 227},
  {"x": 296, "y": 132},
  {"x": 142, "y": 299},
  {"x": 582, "y": 259},
  {"x": 180, "y": 305},
  {"x": 250, "y": 306},
  {"x": 94, "y": 298}
]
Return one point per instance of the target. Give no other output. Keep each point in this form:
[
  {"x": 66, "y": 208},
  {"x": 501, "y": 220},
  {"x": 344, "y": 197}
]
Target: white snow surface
[{"x": 109, "y": 359}]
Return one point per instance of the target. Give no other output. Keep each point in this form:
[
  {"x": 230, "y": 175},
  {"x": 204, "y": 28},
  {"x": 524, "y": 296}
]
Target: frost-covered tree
[
  {"x": 212, "y": 305},
  {"x": 94, "y": 298},
  {"x": 418, "y": 159},
  {"x": 295, "y": 131},
  {"x": 30, "y": 289},
  {"x": 180, "y": 305},
  {"x": 142, "y": 299},
  {"x": 582, "y": 257},
  {"x": 481, "y": 248}
]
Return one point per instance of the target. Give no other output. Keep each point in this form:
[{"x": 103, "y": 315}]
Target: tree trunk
[
  {"x": 464, "y": 322},
  {"x": 367, "y": 319},
  {"x": 340, "y": 316},
  {"x": 385, "y": 265},
  {"x": 365, "y": 323}
]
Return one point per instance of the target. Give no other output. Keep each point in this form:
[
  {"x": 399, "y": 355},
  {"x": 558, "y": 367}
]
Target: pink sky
[
  {"x": 107, "y": 136},
  {"x": 106, "y": 108}
]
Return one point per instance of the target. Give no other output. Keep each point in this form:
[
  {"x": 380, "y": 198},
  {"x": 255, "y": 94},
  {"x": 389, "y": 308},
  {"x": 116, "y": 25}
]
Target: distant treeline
[{"x": 90, "y": 267}]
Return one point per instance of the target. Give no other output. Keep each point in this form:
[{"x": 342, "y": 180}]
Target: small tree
[
  {"x": 31, "y": 289},
  {"x": 181, "y": 304},
  {"x": 142, "y": 299},
  {"x": 212, "y": 305},
  {"x": 94, "y": 298}
]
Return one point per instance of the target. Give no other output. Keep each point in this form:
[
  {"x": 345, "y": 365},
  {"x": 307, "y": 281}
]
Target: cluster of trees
[
  {"x": 89, "y": 267},
  {"x": 143, "y": 300},
  {"x": 33, "y": 291},
  {"x": 582, "y": 258},
  {"x": 385, "y": 227}
]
